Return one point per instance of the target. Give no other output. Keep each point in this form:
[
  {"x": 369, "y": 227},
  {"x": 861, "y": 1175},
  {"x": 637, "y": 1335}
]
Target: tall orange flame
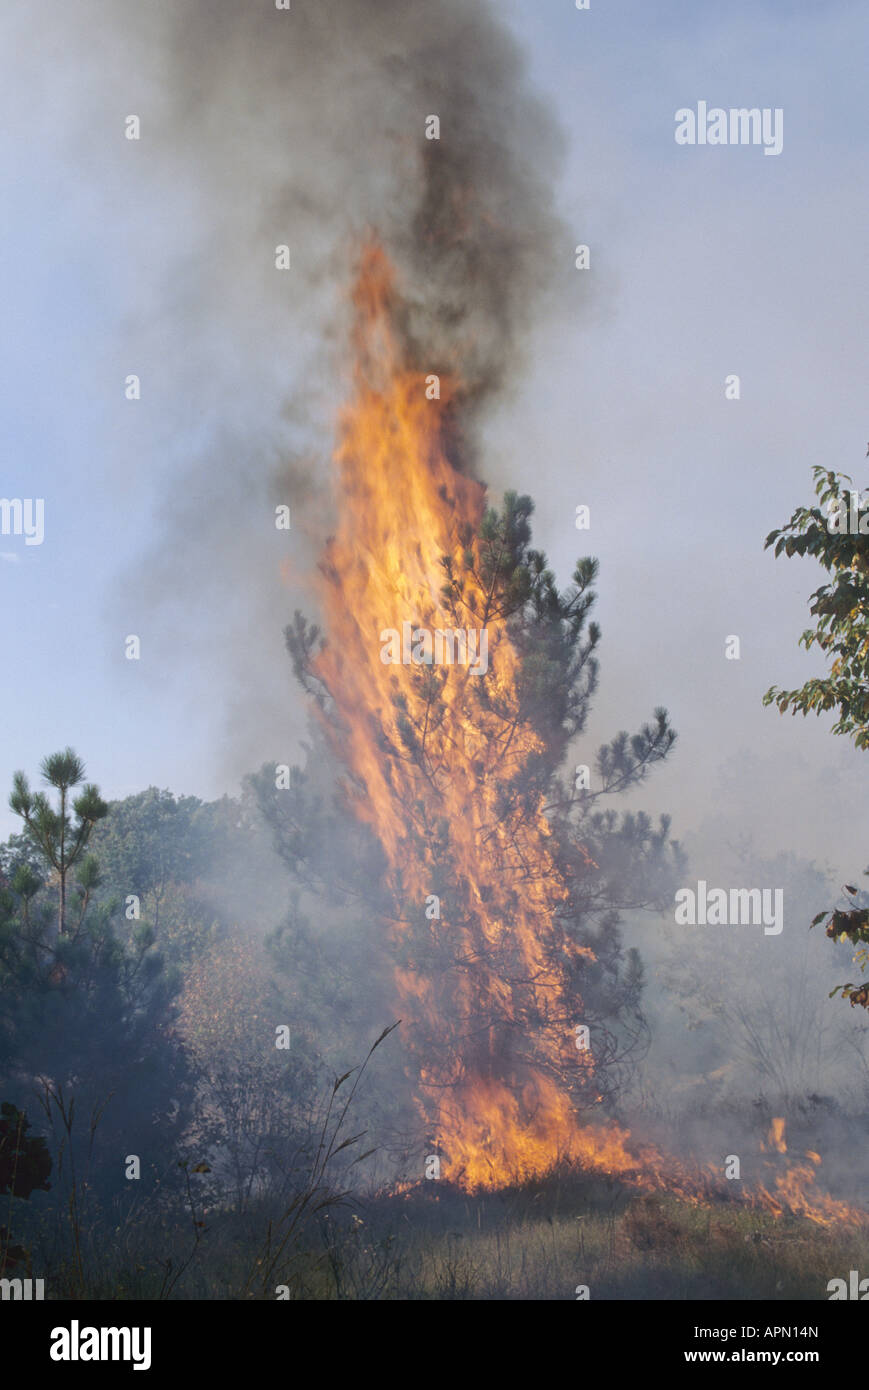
[{"x": 436, "y": 753}]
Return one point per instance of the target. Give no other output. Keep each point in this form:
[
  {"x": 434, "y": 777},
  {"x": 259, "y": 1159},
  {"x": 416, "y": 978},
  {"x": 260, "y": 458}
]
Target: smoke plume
[{"x": 307, "y": 128}]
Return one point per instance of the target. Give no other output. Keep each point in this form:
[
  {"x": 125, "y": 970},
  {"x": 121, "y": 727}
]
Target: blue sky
[{"x": 705, "y": 261}]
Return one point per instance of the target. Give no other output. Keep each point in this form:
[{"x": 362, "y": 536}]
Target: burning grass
[{"x": 541, "y": 1240}]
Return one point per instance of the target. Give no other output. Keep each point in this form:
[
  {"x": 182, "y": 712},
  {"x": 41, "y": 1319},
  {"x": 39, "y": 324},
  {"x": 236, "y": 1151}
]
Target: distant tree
[
  {"x": 198, "y": 868},
  {"x": 758, "y": 1009},
  {"x": 838, "y": 537},
  {"x": 61, "y": 842},
  {"x": 16, "y": 852},
  {"x": 152, "y": 841}
]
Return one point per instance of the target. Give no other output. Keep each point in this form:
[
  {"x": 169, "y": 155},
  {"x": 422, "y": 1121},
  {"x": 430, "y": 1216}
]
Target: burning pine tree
[{"x": 504, "y": 879}]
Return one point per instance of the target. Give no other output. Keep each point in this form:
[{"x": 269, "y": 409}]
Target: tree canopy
[{"x": 836, "y": 534}]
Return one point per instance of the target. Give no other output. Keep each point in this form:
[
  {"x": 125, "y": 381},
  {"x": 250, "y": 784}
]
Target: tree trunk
[{"x": 61, "y": 916}]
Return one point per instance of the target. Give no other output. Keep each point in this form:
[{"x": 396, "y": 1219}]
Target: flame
[
  {"x": 792, "y": 1186},
  {"x": 431, "y": 752},
  {"x": 777, "y": 1135},
  {"x": 487, "y": 990}
]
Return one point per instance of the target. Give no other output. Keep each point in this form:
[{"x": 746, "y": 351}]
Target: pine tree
[
  {"x": 61, "y": 842},
  {"x": 482, "y": 1011},
  {"x": 87, "y": 1012}
]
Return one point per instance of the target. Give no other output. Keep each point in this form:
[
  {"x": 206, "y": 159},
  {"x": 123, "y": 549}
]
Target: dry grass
[{"x": 534, "y": 1243}]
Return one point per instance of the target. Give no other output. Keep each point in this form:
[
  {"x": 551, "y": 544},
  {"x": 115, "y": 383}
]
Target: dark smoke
[
  {"x": 307, "y": 128},
  {"x": 314, "y": 121}
]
